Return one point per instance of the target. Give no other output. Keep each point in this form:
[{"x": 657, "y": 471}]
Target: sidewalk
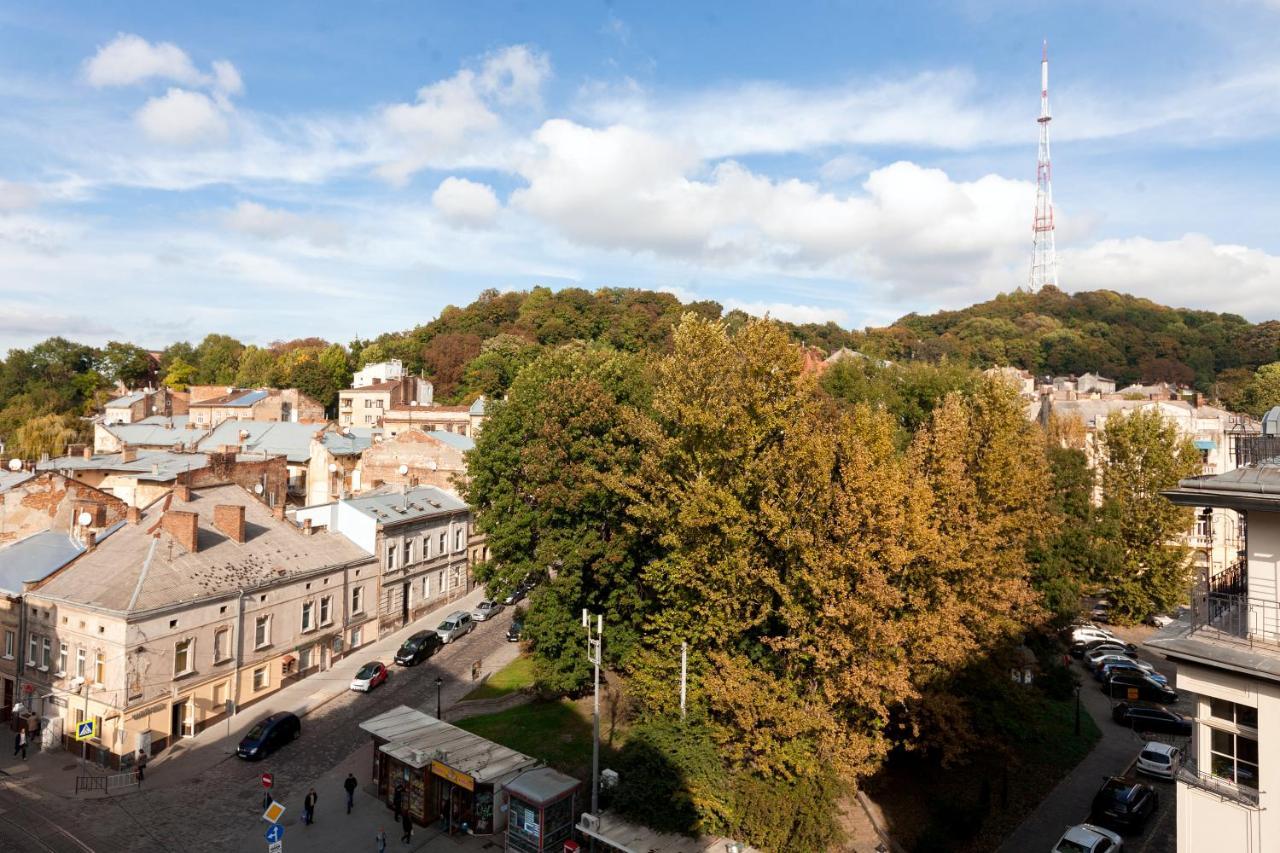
[{"x": 55, "y": 770}]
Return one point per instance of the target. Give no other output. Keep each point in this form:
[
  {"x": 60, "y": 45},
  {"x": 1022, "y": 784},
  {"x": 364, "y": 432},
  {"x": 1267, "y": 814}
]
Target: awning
[{"x": 1206, "y": 444}]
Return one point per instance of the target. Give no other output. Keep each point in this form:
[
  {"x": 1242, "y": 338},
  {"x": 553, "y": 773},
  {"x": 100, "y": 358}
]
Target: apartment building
[
  {"x": 204, "y": 602},
  {"x": 1228, "y": 792},
  {"x": 462, "y": 420},
  {"x": 421, "y": 538},
  {"x": 157, "y": 432},
  {"x": 147, "y": 402},
  {"x": 335, "y": 469},
  {"x": 434, "y": 458},
  {"x": 212, "y": 405},
  {"x": 366, "y": 405}
]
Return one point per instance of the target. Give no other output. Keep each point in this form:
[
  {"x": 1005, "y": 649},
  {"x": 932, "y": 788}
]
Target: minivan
[
  {"x": 269, "y": 735},
  {"x": 455, "y": 625}
]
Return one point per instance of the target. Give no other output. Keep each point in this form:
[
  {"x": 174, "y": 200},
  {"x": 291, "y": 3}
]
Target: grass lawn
[
  {"x": 515, "y": 676},
  {"x": 556, "y": 732}
]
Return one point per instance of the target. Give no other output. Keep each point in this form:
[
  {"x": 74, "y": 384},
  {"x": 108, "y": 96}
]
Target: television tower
[{"x": 1044, "y": 258}]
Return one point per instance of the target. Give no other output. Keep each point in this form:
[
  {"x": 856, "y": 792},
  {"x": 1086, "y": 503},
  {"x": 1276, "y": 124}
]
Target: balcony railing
[
  {"x": 1196, "y": 777},
  {"x": 1253, "y": 450},
  {"x": 1236, "y": 618}
]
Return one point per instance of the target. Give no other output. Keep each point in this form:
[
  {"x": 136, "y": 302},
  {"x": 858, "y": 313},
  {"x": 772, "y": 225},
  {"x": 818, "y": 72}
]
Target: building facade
[
  {"x": 462, "y": 420},
  {"x": 281, "y": 405},
  {"x": 429, "y": 458},
  {"x": 365, "y": 405}
]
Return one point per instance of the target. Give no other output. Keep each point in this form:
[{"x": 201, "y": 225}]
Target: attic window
[
  {"x": 308, "y": 586},
  {"x": 262, "y": 598},
  {"x": 102, "y": 629},
  {"x": 222, "y": 609},
  {"x": 173, "y": 623}
]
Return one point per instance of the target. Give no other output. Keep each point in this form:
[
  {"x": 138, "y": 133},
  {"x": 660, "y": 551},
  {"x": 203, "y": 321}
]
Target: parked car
[
  {"x": 1084, "y": 635},
  {"x": 369, "y": 676},
  {"x": 1092, "y": 655},
  {"x": 1101, "y": 613},
  {"x": 1160, "y": 620},
  {"x": 1123, "y": 804},
  {"x": 1159, "y": 759},
  {"x": 1145, "y": 718},
  {"x": 418, "y": 648},
  {"x": 456, "y": 624},
  {"x": 516, "y": 630},
  {"x": 486, "y": 610},
  {"x": 268, "y": 735},
  {"x": 1083, "y": 647},
  {"x": 1128, "y": 667},
  {"x": 1112, "y": 658},
  {"x": 1087, "y": 838},
  {"x": 1149, "y": 690},
  {"x": 515, "y": 596}
]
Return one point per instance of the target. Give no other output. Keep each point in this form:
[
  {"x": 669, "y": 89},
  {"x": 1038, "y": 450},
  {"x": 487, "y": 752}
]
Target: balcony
[
  {"x": 1236, "y": 618},
  {"x": 1196, "y": 777}
]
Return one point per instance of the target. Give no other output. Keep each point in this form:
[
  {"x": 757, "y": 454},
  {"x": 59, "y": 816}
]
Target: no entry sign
[{"x": 267, "y": 780}]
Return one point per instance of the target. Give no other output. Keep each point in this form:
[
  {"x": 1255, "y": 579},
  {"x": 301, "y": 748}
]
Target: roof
[
  {"x": 417, "y": 739},
  {"x": 240, "y": 398},
  {"x": 36, "y": 557},
  {"x": 384, "y": 385},
  {"x": 148, "y": 433},
  {"x": 477, "y": 408},
  {"x": 541, "y": 785},
  {"x": 137, "y": 570},
  {"x": 458, "y": 442},
  {"x": 274, "y": 438},
  {"x": 176, "y": 421},
  {"x": 158, "y": 465},
  {"x": 127, "y": 400},
  {"x": 9, "y": 479},
  {"x": 631, "y": 838},
  {"x": 347, "y": 445},
  {"x": 1246, "y": 488},
  {"x": 390, "y": 505}
]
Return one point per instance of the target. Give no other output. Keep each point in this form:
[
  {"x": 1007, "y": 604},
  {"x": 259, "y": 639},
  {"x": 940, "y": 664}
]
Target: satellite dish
[
  {"x": 257, "y": 488},
  {"x": 85, "y": 519},
  {"x": 15, "y": 464},
  {"x": 403, "y": 469},
  {"x": 332, "y": 467}
]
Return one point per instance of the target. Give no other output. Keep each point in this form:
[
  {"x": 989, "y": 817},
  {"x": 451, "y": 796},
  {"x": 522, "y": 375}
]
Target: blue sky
[{"x": 335, "y": 169}]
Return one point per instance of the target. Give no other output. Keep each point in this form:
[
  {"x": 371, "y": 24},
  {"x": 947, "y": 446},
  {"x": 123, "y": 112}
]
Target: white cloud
[
  {"x": 466, "y": 203},
  {"x": 249, "y": 217},
  {"x": 514, "y": 75},
  {"x": 226, "y": 79},
  {"x": 130, "y": 59},
  {"x": 791, "y": 313},
  {"x": 181, "y": 117},
  {"x": 14, "y": 196}
]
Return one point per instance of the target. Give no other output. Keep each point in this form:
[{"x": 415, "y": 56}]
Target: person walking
[
  {"x": 142, "y": 768},
  {"x": 350, "y": 786},
  {"x": 406, "y": 823},
  {"x": 309, "y": 807},
  {"x": 397, "y": 799},
  {"x": 381, "y": 840},
  {"x": 22, "y": 743}
]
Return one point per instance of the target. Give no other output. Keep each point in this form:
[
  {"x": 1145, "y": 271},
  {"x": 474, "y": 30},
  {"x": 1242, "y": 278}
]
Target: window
[
  {"x": 97, "y": 726},
  {"x": 426, "y": 547},
  {"x": 326, "y": 609},
  {"x": 440, "y": 582},
  {"x": 444, "y": 543},
  {"x": 219, "y": 696},
  {"x": 62, "y": 658},
  {"x": 426, "y": 587},
  {"x": 1234, "y": 757},
  {"x": 221, "y": 644},
  {"x": 99, "y": 668},
  {"x": 182, "y": 657},
  {"x": 46, "y": 649},
  {"x": 261, "y": 632},
  {"x": 261, "y": 679},
  {"x": 357, "y": 600},
  {"x": 1204, "y": 525},
  {"x": 33, "y": 649},
  {"x": 391, "y": 558},
  {"x": 304, "y": 658},
  {"x": 308, "y": 615},
  {"x": 408, "y": 551},
  {"x": 355, "y": 637},
  {"x": 79, "y": 663},
  {"x": 10, "y": 642},
  {"x": 1240, "y": 715},
  {"x": 457, "y": 539}
]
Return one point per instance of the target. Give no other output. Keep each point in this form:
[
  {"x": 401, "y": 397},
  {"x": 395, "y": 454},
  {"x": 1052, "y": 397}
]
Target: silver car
[
  {"x": 486, "y": 610},
  {"x": 455, "y": 625}
]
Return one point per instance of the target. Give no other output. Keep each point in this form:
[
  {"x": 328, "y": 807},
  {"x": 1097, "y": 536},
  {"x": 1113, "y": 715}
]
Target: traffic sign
[
  {"x": 273, "y": 812},
  {"x": 275, "y": 833},
  {"x": 275, "y": 847},
  {"x": 268, "y": 780},
  {"x": 87, "y": 730}
]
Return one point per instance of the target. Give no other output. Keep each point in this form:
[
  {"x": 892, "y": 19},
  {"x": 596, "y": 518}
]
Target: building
[
  {"x": 1015, "y": 376},
  {"x": 463, "y": 420},
  {"x": 420, "y": 538},
  {"x": 382, "y": 371},
  {"x": 335, "y": 467},
  {"x": 1217, "y": 533},
  {"x": 158, "y": 432},
  {"x": 203, "y": 602},
  {"x": 434, "y": 458},
  {"x": 365, "y": 405},
  {"x": 1229, "y": 656},
  {"x": 1092, "y": 383},
  {"x": 264, "y": 439},
  {"x": 211, "y": 405},
  {"x": 138, "y": 405}
]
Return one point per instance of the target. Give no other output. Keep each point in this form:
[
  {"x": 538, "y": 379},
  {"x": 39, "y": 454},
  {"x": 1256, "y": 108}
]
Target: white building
[
  {"x": 383, "y": 371},
  {"x": 1229, "y": 655}
]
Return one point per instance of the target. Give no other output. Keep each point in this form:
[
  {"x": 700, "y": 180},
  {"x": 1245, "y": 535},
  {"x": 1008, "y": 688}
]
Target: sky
[{"x": 295, "y": 169}]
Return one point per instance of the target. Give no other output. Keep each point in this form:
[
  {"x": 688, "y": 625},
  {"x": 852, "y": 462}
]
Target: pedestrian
[
  {"x": 22, "y": 742},
  {"x": 381, "y": 840},
  {"x": 397, "y": 799},
  {"x": 406, "y": 823},
  {"x": 309, "y": 807},
  {"x": 350, "y": 785},
  {"x": 142, "y": 768}
]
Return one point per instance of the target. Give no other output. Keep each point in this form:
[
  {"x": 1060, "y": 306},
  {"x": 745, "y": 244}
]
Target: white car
[
  {"x": 369, "y": 676},
  {"x": 1159, "y": 759},
  {"x": 1087, "y": 838},
  {"x": 485, "y": 610},
  {"x": 1160, "y": 620},
  {"x": 1084, "y": 635}
]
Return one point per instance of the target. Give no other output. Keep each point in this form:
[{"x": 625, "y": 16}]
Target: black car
[
  {"x": 1144, "y": 718},
  {"x": 1122, "y": 648},
  {"x": 1122, "y": 685},
  {"x": 269, "y": 735},
  {"x": 418, "y": 648},
  {"x": 516, "y": 630},
  {"x": 515, "y": 596},
  {"x": 1123, "y": 804}
]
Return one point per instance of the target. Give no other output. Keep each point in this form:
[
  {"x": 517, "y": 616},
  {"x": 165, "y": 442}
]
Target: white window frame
[
  {"x": 10, "y": 641},
  {"x": 63, "y": 650},
  {"x": 444, "y": 542},
  {"x": 81, "y": 658},
  {"x": 261, "y": 678},
  {"x": 99, "y": 667},
  {"x": 326, "y": 610},
  {"x": 264, "y": 623},
  {"x": 187, "y": 648},
  {"x": 391, "y": 556},
  {"x": 46, "y": 653},
  {"x": 426, "y": 587},
  {"x": 33, "y": 649},
  {"x": 408, "y": 551},
  {"x": 221, "y": 650},
  {"x": 308, "y": 616},
  {"x": 356, "y": 633},
  {"x": 357, "y": 600}
]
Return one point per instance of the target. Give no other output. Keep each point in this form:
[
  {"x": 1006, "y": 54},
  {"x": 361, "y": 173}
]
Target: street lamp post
[
  {"x": 1077, "y": 709},
  {"x": 594, "y": 645},
  {"x": 439, "y": 683}
]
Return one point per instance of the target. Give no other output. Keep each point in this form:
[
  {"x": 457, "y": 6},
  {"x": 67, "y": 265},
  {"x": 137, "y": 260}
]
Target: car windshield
[
  {"x": 447, "y": 626},
  {"x": 1066, "y": 845},
  {"x": 369, "y": 670},
  {"x": 256, "y": 732},
  {"x": 485, "y": 605}
]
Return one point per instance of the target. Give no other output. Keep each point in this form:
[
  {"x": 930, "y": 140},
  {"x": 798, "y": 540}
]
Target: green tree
[
  {"x": 217, "y": 359},
  {"x": 1140, "y": 455},
  {"x": 492, "y": 371},
  {"x": 1263, "y": 390},
  {"x": 46, "y": 434},
  {"x": 257, "y": 369},
  {"x": 125, "y": 363},
  {"x": 180, "y": 374}
]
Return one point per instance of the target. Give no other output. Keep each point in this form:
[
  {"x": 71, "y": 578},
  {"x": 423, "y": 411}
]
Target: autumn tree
[
  {"x": 1140, "y": 455},
  {"x": 46, "y": 434}
]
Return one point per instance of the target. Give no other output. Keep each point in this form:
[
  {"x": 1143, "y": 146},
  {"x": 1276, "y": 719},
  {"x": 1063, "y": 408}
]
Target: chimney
[
  {"x": 306, "y": 527},
  {"x": 128, "y": 454},
  {"x": 182, "y": 492},
  {"x": 88, "y": 451},
  {"x": 277, "y": 512},
  {"x": 183, "y": 526},
  {"x": 229, "y": 518},
  {"x": 133, "y": 515},
  {"x": 90, "y": 540}
]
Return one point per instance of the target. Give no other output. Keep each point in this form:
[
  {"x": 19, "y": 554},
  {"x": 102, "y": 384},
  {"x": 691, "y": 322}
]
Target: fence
[
  {"x": 1189, "y": 773},
  {"x": 1236, "y": 618},
  {"x": 106, "y": 784}
]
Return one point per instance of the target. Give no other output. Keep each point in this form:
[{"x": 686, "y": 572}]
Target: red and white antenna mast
[{"x": 1044, "y": 258}]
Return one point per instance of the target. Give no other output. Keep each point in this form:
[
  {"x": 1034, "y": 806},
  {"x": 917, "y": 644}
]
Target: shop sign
[
  {"x": 59, "y": 701},
  {"x": 146, "y": 712},
  {"x": 457, "y": 777}
]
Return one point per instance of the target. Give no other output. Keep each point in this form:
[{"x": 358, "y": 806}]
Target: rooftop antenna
[{"x": 1044, "y": 257}]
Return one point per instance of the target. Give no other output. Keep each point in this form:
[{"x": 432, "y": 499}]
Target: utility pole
[
  {"x": 1044, "y": 258},
  {"x": 594, "y": 645}
]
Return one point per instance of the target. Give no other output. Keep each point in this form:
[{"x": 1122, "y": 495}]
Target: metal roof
[
  {"x": 239, "y": 398},
  {"x": 477, "y": 408},
  {"x": 148, "y": 433},
  {"x": 417, "y": 739},
  {"x": 390, "y": 505},
  {"x": 176, "y": 421},
  {"x": 36, "y": 557},
  {"x": 157, "y": 465},
  {"x": 541, "y": 785},
  {"x": 347, "y": 445},
  {"x": 274, "y": 438},
  {"x": 126, "y": 400},
  {"x": 9, "y": 479},
  {"x": 458, "y": 442}
]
